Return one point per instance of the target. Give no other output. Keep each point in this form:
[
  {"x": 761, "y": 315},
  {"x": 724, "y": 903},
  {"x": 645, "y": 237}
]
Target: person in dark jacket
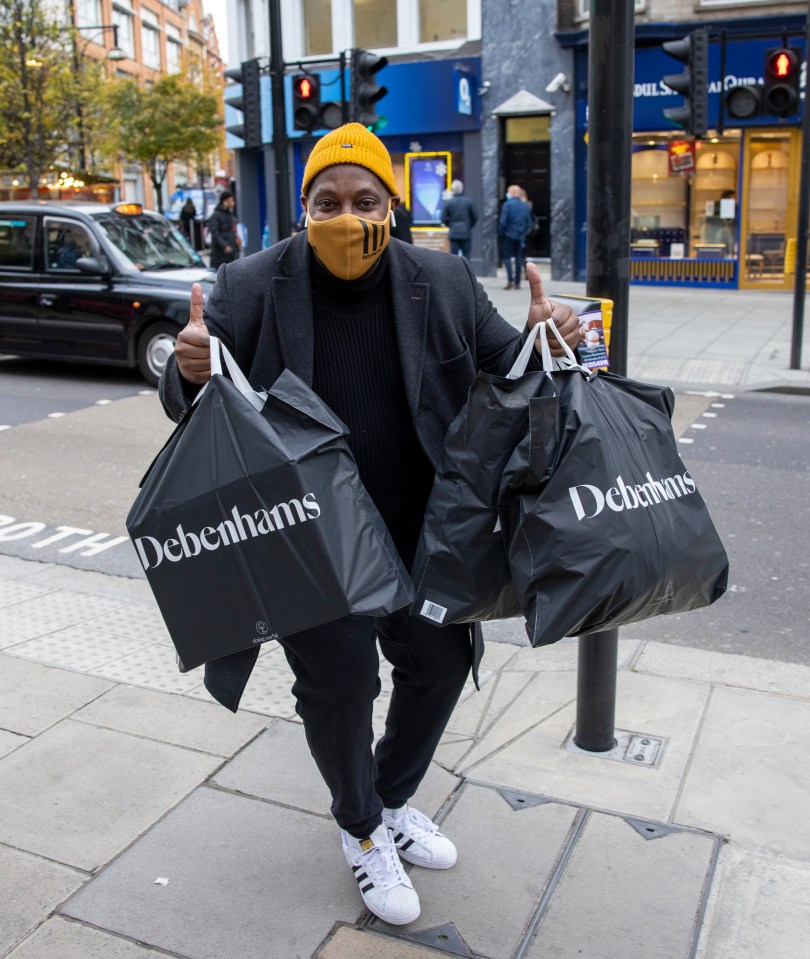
[
  {"x": 187, "y": 216},
  {"x": 225, "y": 243},
  {"x": 390, "y": 336},
  {"x": 460, "y": 215},
  {"x": 513, "y": 228}
]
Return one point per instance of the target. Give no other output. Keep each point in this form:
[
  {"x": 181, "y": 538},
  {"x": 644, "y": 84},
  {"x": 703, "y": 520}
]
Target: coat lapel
[
  {"x": 292, "y": 304},
  {"x": 410, "y": 300}
]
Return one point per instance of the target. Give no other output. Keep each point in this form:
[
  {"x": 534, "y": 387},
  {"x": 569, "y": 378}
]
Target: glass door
[{"x": 768, "y": 209}]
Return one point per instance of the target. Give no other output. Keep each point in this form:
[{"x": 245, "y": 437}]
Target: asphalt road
[{"x": 67, "y": 482}]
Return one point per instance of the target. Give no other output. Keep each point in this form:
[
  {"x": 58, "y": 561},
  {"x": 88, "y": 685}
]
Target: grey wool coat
[{"x": 446, "y": 328}]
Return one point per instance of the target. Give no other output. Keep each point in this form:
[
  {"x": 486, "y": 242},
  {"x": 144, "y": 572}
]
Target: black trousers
[{"x": 336, "y": 669}]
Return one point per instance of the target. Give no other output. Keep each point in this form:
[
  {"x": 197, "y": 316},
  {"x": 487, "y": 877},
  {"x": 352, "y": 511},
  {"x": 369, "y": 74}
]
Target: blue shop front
[{"x": 718, "y": 211}]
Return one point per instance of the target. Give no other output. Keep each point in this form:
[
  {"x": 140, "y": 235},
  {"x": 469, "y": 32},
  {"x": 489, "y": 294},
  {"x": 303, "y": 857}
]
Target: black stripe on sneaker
[
  {"x": 405, "y": 845},
  {"x": 366, "y": 888},
  {"x": 361, "y": 877},
  {"x": 398, "y": 836}
]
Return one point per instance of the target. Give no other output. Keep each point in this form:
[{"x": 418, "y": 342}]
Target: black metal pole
[
  {"x": 610, "y": 136},
  {"x": 283, "y": 214},
  {"x": 800, "y": 279}
]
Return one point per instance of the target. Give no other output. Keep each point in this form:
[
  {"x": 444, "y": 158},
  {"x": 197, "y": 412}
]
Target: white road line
[
  {"x": 685, "y": 439},
  {"x": 55, "y": 416},
  {"x": 146, "y": 392},
  {"x": 103, "y": 402},
  {"x": 726, "y": 396},
  {"x": 709, "y": 416},
  {"x": 698, "y": 426},
  {"x": 5, "y": 427},
  {"x": 718, "y": 406}
]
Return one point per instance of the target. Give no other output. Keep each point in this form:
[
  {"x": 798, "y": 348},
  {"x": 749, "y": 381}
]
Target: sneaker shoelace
[
  {"x": 382, "y": 865},
  {"x": 417, "y": 825}
]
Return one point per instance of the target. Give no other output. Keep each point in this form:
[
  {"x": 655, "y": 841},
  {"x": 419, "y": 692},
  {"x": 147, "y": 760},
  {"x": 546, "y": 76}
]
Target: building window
[
  {"x": 150, "y": 38},
  {"x": 88, "y": 13},
  {"x": 442, "y": 20},
  {"x": 123, "y": 21},
  {"x": 173, "y": 49},
  {"x": 317, "y": 27},
  {"x": 375, "y": 23}
]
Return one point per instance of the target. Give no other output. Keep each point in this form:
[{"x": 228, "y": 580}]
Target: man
[
  {"x": 390, "y": 336},
  {"x": 225, "y": 244},
  {"x": 513, "y": 228},
  {"x": 460, "y": 215}
]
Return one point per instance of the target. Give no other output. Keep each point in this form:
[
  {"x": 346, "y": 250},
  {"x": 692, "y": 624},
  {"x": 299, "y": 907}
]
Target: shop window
[
  {"x": 442, "y": 20},
  {"x": 317, "y": 27},
  {"x": 713, "y": 221},
  {"x": 375, "y": 23},
  {"x": 658, "y": 202},
  {"x": 768, "y": 183}
]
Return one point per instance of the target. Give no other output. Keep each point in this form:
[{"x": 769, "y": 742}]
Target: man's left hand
[{"x": 542, "y": 308}]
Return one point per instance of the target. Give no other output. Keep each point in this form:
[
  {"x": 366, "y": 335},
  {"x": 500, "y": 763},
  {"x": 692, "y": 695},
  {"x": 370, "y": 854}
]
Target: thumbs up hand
[
  {"x": 542, "y": 308},
  {"x": 192, "y": 350}
]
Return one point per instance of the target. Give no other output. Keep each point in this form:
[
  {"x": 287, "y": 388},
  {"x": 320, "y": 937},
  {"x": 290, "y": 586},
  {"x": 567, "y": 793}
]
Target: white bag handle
[
  {"x": 548, "y": 362},
  {"x": 219, "y": 352}
]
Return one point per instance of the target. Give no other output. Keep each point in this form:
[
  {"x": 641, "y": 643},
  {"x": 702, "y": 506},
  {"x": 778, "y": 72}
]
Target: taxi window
[
  {"x": 65, "y": 242},
  {"x": 17, "y": 242}
]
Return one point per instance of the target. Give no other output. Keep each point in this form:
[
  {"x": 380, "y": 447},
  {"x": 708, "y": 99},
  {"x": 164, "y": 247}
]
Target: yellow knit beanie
[{"x": 351, "y": 143}]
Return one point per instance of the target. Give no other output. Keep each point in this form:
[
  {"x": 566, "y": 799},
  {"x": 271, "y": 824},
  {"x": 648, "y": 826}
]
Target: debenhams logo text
[
  {"x": 589, "y": 501},
  {"x": 152, "y": 552}
]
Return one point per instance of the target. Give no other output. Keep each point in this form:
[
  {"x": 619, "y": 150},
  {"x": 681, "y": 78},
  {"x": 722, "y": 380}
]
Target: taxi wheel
[{"x": 155, "y": 346}]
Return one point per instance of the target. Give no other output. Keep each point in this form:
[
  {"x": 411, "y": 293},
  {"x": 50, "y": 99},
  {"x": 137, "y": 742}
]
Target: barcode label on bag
[{"x": 433, "y": 611}]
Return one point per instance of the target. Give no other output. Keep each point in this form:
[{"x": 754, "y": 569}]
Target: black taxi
[{"x": 94, "y": 283}]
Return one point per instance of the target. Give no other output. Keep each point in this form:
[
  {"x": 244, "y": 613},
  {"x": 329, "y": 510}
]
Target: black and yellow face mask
[{"x": 348, "y": 245}]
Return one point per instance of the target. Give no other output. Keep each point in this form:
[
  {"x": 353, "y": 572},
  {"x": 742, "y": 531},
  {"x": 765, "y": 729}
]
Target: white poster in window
[
  {"x": 710, "y": 208},
  {"x": 676, "y": 251},
  {"x": 728, "y": 208}
]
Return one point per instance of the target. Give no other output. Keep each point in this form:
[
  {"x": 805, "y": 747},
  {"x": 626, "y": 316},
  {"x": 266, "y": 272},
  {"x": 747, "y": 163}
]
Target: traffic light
[
  {"x": 306, "y": 101},
  {"x": 780, "y": 94},
  {"x": 249, "y": 101},
  {"x": 744, "y": 101},
  {"x": 365, "y": 91},
  {"x": 692, "y": 84}
]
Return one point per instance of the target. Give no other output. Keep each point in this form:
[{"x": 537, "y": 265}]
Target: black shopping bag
[
  {"x": 604, "y": 523},
  {"x": 461, "y": 571},
  {"x": 253, "y": 522}
]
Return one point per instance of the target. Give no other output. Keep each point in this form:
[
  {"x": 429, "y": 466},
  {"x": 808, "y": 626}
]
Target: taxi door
[
  {"x": 19, "y": 281},
  {"x": 80, "y": 315}
]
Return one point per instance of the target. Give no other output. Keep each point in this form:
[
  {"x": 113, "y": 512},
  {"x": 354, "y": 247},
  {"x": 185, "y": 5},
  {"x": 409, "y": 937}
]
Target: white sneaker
[
  {"x": 418, "y": 839},
  {"x": 384, "y": 885}
]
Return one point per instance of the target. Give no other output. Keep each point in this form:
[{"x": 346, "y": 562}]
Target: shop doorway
[
  {"x": 768, "y": 211},
  {"x": 529, "y": 165}
]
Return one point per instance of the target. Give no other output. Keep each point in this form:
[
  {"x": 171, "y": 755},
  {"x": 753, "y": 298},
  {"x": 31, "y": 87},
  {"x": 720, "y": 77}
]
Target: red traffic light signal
[
  {"x": 780, "y": 94},
  {"x": 306, "y": 101}
]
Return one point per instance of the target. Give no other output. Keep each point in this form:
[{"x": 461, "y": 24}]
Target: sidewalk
[{"x": 139, "y": 819}]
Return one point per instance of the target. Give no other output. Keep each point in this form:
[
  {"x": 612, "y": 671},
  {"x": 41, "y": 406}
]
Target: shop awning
[{"x": 523, "y": 104}]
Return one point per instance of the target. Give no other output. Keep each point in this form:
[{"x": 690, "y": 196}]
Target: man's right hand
[{"x": 193, "y": 349}]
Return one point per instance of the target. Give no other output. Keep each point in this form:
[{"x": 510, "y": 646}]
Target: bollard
[{"x": 596, "y": 691}]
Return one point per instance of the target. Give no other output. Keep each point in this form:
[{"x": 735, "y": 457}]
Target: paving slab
[
  {"x": 564, "y": 656},
  {"x": 624, "y": 895},
  {"x": 536, "y": 761},
  {"x": 34, "y": 697},
  {"x": 544, "y": 695},
  {"x": 246, "y": 880},
  {"x": 79, "y": 794},
  {"x": 348, "y": 943},
  {"x": 30, "y": 889},
  {"x": 44, "y": 614},
  {"x": 78, "y": 647},
  {"x": 469, "y": 903},
  {"x": 750, "y": 776},
  {"x": 278, "y": 767},
  {"x": 761, "y": 910},
  {"x": 61, "y": 939},
  {"x": 10, "y": 741},
  {"x": 725, "y": 669},
  {"x": 206, "y": 727},
  {"x": 16, "y": 591}
]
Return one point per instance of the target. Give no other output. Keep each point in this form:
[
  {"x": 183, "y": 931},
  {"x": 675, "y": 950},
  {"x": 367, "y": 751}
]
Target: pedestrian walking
[
  {"x": 460, "y": 215},
  {"x": 225, "y": 243},
  {"x": 513, "y": 227},
  {"x": 188, "y": 214},
  {"x": 391, "y": 336}
]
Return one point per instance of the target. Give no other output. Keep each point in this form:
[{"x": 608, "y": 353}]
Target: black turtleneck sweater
[{"x": 357, "y": 372}]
